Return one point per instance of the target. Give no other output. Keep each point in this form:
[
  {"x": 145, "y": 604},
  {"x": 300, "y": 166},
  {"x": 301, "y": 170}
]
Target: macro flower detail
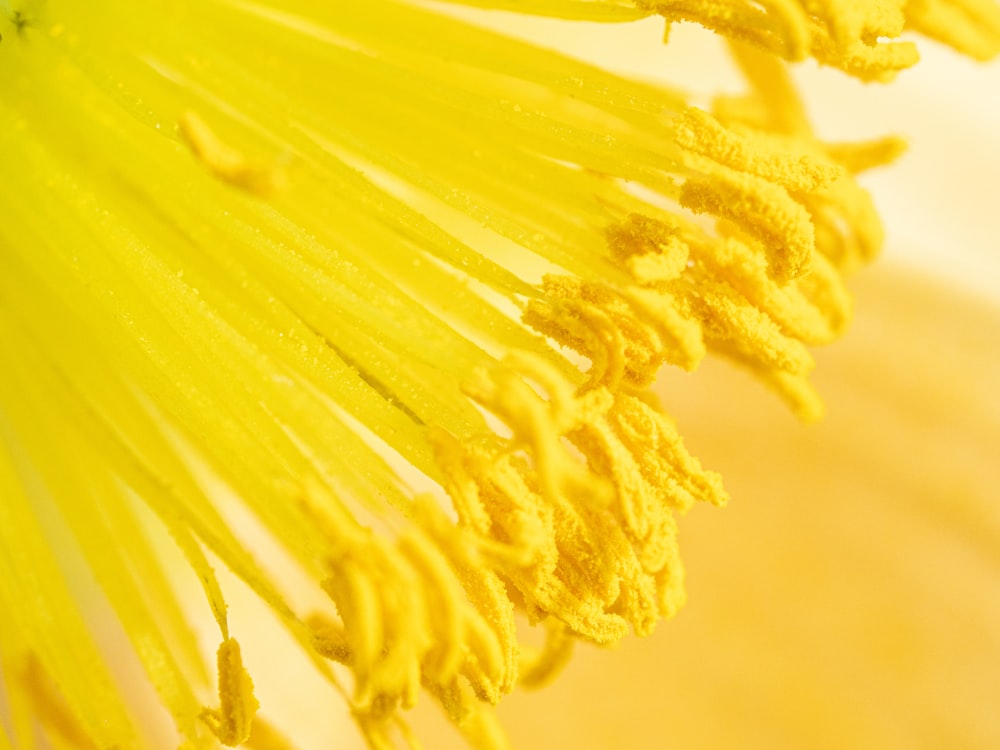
[{"x": 390, "y": 290}]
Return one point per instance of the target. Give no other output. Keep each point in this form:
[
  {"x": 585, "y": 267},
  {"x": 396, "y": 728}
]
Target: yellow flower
[{"x": 365, "y": 303}]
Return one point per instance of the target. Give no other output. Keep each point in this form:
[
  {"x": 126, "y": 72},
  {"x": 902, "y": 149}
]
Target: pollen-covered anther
[
  {"x": 650, "y": 248},
  {"x": 380, "y": 601},
  {"x": 469, "y": 601},
  {"x": 847, "y": 34},
  {"x": 654, "y": 476},
  {"x": 538, "y": 421},
  {"x": 782, "y": 160},
  {"x": 732, "y": 325},
  {"x": 880, "y": 62},
  {"x": 637, "y": 429},
  {"x": 559, "y": 550},
  {"x": 814, "y": 309},
  {"x": 231, "y": 723},
  {"x": 329, "y": 639},
  {"x": 628, "y": 334},
  {"x": 416, "y": 610},
  {"x": 780, "y": 26},
  {"x": 851, "y": 20},
  {"x": 585, "y": 328},
  {"x": 679, "y": 336},
  {"x": 490, "y": 489},
  {"x": 597, "y": 567},
  {"x": 765, "y": 211},
  {"x": 847, "y": 226}
]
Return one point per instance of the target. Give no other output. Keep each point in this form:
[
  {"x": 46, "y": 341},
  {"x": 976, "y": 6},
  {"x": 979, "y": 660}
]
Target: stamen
[
  {"x": 227, "y": 163},
  {"x": 231, "y": 722}
]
